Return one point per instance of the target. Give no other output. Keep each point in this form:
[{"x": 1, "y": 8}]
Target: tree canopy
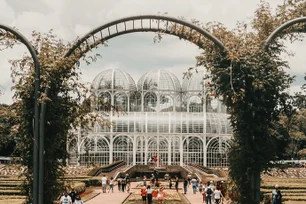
[{"x": 254, "y": 85}]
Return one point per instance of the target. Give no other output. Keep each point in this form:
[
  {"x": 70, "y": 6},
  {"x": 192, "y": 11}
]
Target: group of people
[
  {"x": 174, "y": 182},
  {"x": 209, "y": 192},
  {"x": 107, "y": 184},
  {"x": 147, "y": 193},
  {"x": 124, "y": 184},
  {"x": 276, "y": 195},
  {"x": 71, "y": 198}
]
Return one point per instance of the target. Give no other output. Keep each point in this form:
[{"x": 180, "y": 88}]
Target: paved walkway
[{"x": 118, "y": 197}]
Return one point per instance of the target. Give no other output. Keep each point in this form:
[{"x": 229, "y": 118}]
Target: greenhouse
[{"x": 157, "y": 117}]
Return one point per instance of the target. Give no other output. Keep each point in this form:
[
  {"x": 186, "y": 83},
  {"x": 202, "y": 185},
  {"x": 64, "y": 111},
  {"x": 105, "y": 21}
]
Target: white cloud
[{"x": 135, "y": 53}]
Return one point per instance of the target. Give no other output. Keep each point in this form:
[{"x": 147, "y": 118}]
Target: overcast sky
[{"x": 134, "y": 53}]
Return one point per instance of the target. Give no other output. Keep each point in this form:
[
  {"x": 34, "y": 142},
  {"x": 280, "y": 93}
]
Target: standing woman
[
  {"x": 161, "y": 195},
  {"x": 218, "y": 195},
  {"x": 111, "y": 184},
  {"x": 143, "y": 192},
  {"x": 149, "y": 194}
]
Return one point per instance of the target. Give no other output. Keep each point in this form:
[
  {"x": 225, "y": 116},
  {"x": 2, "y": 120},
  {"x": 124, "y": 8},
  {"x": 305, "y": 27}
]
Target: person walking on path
[
  {"x": 276, "y": 195},
  {"x": 128, "y": 187},
  {"x": 123, "y": 184},
  {"x": 78, "y": 200},
  {"x": 194, "y": 185},
  {"x": 201, "y": 187},
  {"x": 176, "y": 183},
  {"x": 149, "y": 194},
  {"x": 170, "y": 182},
  {"x": 208, "y": 192},
  {"x": 119, "y": 181},
  {"x": 65, "y": 199},
  {"x": 189, "y": 179},
  {"x": 72, "y": 195},
  {"x": 104, "y": 182},
  {"x": 185, "y": 185},
  {"x": 204, "y": 196},
  {"x": 217, "y": 195},
  {"x": 111, "y": 184},
  {"x": 144, "y": 180},
  {"x": 143, "y": 192},
  {"x": 161, "y": 195}
]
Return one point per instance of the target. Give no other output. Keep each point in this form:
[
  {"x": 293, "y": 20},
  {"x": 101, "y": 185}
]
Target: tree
[
  {"x": 68, "y": 107},
  {"x": 8, "y": 127},
  {"x": 300, "y": 97},
  {"x": 253, "y": 85}
]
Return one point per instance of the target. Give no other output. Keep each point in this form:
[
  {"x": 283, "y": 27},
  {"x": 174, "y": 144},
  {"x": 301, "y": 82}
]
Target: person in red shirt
[{"x": 143, "y": 191}]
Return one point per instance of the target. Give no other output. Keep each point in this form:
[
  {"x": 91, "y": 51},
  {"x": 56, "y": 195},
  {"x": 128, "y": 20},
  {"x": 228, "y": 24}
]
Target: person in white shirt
[
  {"x": 194, "y": 185},
  {"x": 149, "y": 191},
  {"x": 65, "y": 199},
  {"x": 78, "y": 200},
  {"x": 104, "y": 182},
  {"x": 218, "y": 195}
]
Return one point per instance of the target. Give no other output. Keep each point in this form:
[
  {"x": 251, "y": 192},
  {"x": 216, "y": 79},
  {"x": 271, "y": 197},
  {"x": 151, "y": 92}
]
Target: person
[
  {"x": 176, "y": 183},
  {"x": 152, "y": 180},
  {"x": 119, "y": 181},
  {"x": 144, "y": 180},
  {"x": 218, "y": 195},
  {"x": 123, "y": 184},
  {"x": 276, "y": 195},
  {"x": 204, "y": 196},
  {"x": 128, "y": 187},
  {"x": 78, "y": 200},
  {"x": 149, "y": 194},
  {"x": 170, "y": 182},
  {"x": 104, "y": 182},
  {"x": 143, "y": 192},
  {"x": 161, "y": 195},
  {"x": 189, "y": 179},
  {"x": 127, "y": 177},
  {"x": 201, "y": 187},
  {"x": 111, "y": 184},
  {"x": 72, "y": 195},
  {"x": 185, "y": 185},
  {"x": 194, "y": 184},
  {"x": 65, "y": 199},
  {"x": 208, "y": 193},
  {"x": 212, "y": 187},
  {"x": 108, "y": 185}
]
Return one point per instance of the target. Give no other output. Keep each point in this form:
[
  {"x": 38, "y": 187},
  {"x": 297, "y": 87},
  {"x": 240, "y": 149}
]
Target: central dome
[
  {"x": 159, "y": 80},
  {"x": 113, "y": 79}
]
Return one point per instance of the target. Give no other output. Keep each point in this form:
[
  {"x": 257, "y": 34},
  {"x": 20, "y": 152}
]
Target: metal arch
[
  {"x": 96, "y": 37},
  {"x": 38, "y": 148},
  {"x": 274, "y": 34}
]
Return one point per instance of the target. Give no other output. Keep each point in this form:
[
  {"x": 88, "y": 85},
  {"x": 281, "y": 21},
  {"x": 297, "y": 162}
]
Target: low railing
[
  {"x": 110, "y": 169},
  {"x": 205, "y": 169}
]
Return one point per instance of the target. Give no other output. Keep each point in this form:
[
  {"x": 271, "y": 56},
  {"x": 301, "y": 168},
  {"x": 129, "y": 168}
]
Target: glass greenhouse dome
[{"x": 160, "y": 118}]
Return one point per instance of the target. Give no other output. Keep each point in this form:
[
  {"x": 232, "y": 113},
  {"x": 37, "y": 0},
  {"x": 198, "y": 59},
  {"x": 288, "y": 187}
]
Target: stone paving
[{"x": 118, "y": 197}]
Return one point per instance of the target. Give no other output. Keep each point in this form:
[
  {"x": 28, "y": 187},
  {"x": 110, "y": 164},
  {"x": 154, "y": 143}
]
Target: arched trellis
[
  {"x": 284, "y": 26},
  {"x": 142, "y": 23},
  {"x": 38, "y": 146}
]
